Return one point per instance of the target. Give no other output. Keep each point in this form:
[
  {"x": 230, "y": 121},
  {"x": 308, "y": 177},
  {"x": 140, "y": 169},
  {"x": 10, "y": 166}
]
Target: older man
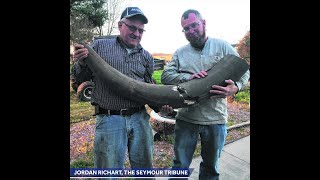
[{"x": 121, "y": 124}]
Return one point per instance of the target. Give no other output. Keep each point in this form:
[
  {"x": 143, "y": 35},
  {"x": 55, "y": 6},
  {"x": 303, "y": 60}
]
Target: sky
[{"x": 225, "y": 19}]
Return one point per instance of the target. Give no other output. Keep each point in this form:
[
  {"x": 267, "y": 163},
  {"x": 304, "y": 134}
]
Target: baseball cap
[{"x": 133, "y": 11}]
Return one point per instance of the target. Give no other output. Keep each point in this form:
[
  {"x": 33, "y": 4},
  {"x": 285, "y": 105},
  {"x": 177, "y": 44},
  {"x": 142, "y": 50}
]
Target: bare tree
[{"x": 114, "y": 9}]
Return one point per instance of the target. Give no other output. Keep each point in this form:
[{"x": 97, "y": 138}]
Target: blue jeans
[
  {"x": 115, "y": 133},
  {"x": 212, "y": 141}
]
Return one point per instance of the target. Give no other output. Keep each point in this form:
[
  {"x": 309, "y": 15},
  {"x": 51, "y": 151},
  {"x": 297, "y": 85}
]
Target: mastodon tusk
[{"x": 181, "y": 95}]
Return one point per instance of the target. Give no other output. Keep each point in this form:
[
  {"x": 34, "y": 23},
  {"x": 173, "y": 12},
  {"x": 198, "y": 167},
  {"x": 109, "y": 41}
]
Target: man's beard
[{"x": 196, "y": 41}]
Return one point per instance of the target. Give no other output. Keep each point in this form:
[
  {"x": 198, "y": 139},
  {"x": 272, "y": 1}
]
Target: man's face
[
  {"x": 194, "y": 30},
  {"x": 131, "y": 31}
]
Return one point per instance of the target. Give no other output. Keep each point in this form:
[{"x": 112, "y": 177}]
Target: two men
[{"x": 114, "y": 133}]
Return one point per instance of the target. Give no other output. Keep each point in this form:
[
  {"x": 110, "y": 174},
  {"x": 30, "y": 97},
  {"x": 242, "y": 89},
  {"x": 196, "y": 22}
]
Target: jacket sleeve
[
  {"x": 172, "y": 75},
  {"x": 243, "y": 80}
]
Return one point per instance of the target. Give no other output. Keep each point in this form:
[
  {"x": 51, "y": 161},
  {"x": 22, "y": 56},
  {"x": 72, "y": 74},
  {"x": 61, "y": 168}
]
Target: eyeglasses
[
  {"x": 133, "y": 28},
  {"x": 193, "y": 26}
]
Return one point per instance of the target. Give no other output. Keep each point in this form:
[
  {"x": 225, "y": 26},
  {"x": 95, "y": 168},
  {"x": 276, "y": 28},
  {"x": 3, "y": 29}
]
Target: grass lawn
[{"x": 157, "y": 76}]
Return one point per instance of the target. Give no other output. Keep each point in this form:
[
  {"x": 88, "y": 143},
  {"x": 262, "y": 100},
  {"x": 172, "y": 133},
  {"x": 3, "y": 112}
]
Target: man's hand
[
  {"x": 165, "y": 110},
  {"x": 80, "y": 53},
  {"x": 223, "y": 92},
  {"x": 199, "y": 75}
]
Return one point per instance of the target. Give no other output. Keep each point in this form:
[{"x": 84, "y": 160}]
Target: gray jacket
[{"x": 187, "y": 61}]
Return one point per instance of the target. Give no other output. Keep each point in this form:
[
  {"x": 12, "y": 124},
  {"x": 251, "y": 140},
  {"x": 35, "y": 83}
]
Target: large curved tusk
[{"x": 181, "y": 95}]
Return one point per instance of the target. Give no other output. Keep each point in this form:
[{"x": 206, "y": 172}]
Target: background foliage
[
  {"x": 243, "y": 47},
  {"x": 85, "y": 17},
  {"x": 90, "y": 18}
]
